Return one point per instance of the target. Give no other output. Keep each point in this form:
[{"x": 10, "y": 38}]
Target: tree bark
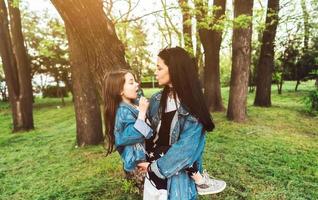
[
  {"x": 186, "y": 25},
  {"x": 241, "y": 52},
  {"x": 266, "y": 63},
  {"x": 198, "y": 51},
  {"x": 211, "y": 40},
  {"x": 306, "y": 24},
  {"x": 88, "y": 115},
  {"x": 96, "y": 35},
  {"x": 94, "y": 50},
  {"x": 16, "y": 68}
]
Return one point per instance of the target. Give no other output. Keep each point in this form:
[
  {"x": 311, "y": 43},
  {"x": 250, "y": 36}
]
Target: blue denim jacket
[
  {"x": 187, "y": 141},
  {"x": 130, "y": 134}
]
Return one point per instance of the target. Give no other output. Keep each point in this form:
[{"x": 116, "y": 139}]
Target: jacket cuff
[
  {"x": 155, "y": 169},
  {"x": 143, "y": 128}
]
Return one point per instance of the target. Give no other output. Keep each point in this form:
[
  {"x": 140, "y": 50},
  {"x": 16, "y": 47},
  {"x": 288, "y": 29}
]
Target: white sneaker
[{"x": 210, "y": 186}]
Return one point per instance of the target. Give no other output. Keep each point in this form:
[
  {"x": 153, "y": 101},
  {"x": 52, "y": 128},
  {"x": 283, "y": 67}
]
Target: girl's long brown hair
[{"x": 113, "y": 85}]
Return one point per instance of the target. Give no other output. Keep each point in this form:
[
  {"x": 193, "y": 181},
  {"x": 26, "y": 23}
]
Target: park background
[{"x": 257, "y": 62}]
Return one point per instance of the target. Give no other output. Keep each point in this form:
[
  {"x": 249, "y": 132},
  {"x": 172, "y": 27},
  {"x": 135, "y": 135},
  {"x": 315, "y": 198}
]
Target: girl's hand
[
  {"x": 143, "y": 166},
  {"x": 143, "y": 106}
]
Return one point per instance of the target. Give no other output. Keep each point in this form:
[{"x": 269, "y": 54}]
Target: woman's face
[
  {"x": 130, "y": 88},
  {"x": 162, "y": 73}
]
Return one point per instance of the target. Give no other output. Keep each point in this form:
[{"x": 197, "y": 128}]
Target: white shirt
[{"x": 172, "y": 104}]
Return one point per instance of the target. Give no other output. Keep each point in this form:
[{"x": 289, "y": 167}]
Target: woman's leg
[{"x": 151, "y": 192}]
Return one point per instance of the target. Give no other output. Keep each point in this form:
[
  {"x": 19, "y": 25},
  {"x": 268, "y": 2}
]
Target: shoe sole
[{"x": 215, "y": 192}]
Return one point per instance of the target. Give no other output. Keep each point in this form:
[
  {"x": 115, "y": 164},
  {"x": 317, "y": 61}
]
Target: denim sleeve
[
  {"x": 183, "y": 153},
  {"x": 132, "y": 131},
  {"x": 143, "y": 128}
]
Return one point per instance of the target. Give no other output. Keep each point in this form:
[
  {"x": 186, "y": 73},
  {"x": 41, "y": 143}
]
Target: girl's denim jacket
[
  {"x": 187, "y": 141},
  {"x": 130, "y": 133}
]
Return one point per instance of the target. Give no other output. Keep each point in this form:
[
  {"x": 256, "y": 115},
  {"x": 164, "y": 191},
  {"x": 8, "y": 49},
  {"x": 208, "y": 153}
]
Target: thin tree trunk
[
  {"x": 306, "y": 24},
  {"x": 94, "y": 50},
  {"x": 17, "y": 74},
  {"x": 23, "y": 65},
  {"x": 297, "y": 84},
  {"x": 59, "y": 90},
  {"x": 211, "y": 41},
  {"x": 266, "y": 63},
  {"x": 280, "y": 86},
  {"x": 186, "y": 25},
  {"x": 241, "y": 51}
]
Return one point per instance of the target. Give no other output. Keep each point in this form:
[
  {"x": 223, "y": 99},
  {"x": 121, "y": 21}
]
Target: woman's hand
[
  {"x": 143, "y": 106},
  {"x": 143, "y": 167}
]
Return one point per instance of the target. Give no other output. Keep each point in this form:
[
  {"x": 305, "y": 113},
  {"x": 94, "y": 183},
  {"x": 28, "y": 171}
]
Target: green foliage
[
  {"x": 225, "y": 70},
  {"x": 242, "y": 21},
  {"x": 296, "y": 63},
  {"x": 128, "y": 186},
  {"x": 311, "y": 102},
  {"x": 47, "y": 46},
  {"x": 133, "y": 36},
  {"x": 208, "y": 20},
  {"x": 15, "y": 3}
]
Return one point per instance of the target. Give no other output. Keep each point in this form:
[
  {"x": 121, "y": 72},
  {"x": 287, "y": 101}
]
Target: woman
[{"x": 179, "y": 116}]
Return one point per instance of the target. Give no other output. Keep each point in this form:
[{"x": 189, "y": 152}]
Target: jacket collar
[
  {"x": 181, "y": 109},
  {"x": 130, "y": 107}
]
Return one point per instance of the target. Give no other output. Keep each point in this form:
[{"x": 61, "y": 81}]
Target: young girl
[
  {"x": 126, "y": 127},
  {"x": 124, "y": 121}
]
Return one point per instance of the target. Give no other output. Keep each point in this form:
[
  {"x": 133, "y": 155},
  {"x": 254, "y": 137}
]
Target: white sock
[{"x": 199, "y": 182}]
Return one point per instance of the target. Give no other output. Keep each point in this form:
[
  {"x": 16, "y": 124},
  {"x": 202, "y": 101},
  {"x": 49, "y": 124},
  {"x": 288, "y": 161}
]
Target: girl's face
[
  {"x": 130, "y": 88},
  {"x": 162, "y": 73}
]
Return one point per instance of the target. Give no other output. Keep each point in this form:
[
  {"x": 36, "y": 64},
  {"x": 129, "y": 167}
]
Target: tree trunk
[
  {"x": 211, "y": 40},
  {"x": 59, "y": 92},
  {"x": 306, "y": 24},
  {"x": 241, "y": 52},
  {"x": 297, "y": 84},
  {"x": 88, "y": 115},
  {"x": 16, "y": 68},
  {"x": 94, "y": 50},
  {"x": 186, "y": 25},
  {"x": 266, "y": 63},
  {"x": 280, "y": 86},
  {"x": 198, "y": 51},
  {"x": 101, "y": 48}
]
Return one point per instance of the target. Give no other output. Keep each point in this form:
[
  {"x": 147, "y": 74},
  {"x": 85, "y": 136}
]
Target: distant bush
[
  {"x": 52, "y": 91},
  {"x": 311, "y": 102},
  {"x": 148, "y": 84}
]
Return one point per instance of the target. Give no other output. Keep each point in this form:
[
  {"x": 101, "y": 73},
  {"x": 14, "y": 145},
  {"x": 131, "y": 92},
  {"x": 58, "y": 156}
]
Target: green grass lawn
[{"x": 273, "y": 155}]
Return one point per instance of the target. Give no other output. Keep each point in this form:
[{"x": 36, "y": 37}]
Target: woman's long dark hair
[
  {"x": 185, "y": 84},
  {"x": 112, "y": 87}
]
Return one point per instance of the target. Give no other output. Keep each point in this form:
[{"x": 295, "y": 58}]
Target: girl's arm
[{"x": 130, "y": 131}]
